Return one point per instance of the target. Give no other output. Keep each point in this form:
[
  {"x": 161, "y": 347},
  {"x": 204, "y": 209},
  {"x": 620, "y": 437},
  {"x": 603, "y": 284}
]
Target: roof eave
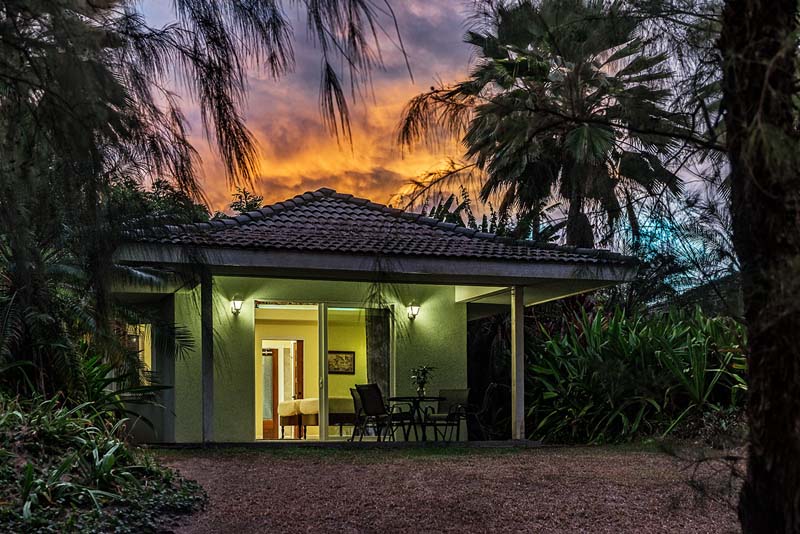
[{"x": 408, "y": 269}]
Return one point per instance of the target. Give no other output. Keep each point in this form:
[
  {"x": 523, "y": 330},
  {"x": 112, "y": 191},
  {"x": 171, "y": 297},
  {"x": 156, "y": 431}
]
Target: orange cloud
[{"x": 296, "y": 152}]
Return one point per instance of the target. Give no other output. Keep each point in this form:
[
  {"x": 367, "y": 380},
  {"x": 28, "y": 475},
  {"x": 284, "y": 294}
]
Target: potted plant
[{"x": 420, "y": 376}]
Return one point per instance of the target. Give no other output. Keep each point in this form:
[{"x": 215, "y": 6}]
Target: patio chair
[
  {"x": 360, "y": 425},
  {"x": 448, "y": 414},
  {"x": 386, "y": 419}
]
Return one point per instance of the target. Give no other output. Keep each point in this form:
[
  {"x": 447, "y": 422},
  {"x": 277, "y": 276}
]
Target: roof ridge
[{"x": 297, "y": 200}]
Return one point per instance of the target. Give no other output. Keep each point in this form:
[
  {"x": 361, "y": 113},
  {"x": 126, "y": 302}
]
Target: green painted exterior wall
[
  {"x": 437, "y": 337},
  {"x": 188, "y": 409}
]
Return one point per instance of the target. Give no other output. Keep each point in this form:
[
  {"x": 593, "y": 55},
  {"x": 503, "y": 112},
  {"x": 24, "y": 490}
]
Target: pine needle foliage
[{"x": 87, "y": 115}]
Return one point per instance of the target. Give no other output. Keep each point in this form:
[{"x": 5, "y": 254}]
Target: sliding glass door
[
  {"x": 358, "y": 352},
  {"x": 309, "y": 359},
  {"x": 287, "y": 383}
]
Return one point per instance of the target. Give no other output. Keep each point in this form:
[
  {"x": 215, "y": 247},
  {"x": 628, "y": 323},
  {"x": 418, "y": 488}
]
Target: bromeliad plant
[{"x": 612, "y": 377}]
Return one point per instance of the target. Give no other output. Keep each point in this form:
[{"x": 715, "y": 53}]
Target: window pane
[{"x": 267, "y": 355}]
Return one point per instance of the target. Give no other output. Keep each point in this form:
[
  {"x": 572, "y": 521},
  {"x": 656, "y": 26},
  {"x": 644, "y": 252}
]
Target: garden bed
[{"x": 68, "y": 470}]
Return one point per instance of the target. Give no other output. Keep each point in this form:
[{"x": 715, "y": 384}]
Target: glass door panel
[
  {"x": 358, "y": 353},
  {"x": 287, "y": 335}
]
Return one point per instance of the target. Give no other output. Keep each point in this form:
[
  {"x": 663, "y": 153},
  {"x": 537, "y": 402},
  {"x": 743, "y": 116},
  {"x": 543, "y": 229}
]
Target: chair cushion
[
  {"x": 335, "y": 405},
  {"x": 309, "y": 406},
  {"x": 290, "y": 407}
]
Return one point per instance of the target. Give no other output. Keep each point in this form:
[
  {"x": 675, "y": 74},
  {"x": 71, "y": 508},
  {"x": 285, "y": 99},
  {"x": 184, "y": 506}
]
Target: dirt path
[{"x": 541, "y": 490}]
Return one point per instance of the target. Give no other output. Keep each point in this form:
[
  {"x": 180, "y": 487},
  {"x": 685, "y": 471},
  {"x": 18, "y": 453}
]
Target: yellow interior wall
[
  {"x": 144, "y": 342},
  {"x": 146, "y": 346},
  {"x": 347, "y": 335}
]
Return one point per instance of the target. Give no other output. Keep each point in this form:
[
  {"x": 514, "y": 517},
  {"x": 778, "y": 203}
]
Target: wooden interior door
[
  {"x": 270, "y": 421},
  {"x": 297, "y": 393}
]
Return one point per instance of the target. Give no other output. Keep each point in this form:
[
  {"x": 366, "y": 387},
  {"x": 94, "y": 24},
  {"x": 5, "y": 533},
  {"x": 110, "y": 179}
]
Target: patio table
[{"x": 416, "y": 408}]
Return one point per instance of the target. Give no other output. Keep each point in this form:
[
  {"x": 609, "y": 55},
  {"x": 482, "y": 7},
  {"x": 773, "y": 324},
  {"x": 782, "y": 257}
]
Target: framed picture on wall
[{"x": 341, "y": 362}]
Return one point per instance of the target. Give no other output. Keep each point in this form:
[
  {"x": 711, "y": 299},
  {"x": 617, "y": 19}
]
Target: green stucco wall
[
  {"x": 437, "y": 337},
  {"x": 188, "y": 409}
]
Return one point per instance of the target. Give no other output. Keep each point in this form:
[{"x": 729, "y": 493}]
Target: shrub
[
  {"x": 67, "y": 469},
  {"x": 609, "y": 378}
]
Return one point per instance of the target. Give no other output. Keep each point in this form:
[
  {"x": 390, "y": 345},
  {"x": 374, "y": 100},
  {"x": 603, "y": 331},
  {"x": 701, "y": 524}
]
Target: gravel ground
[{"x": 472, "y": 490}]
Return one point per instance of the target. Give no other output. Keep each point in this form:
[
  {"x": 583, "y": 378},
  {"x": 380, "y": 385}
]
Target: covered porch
[{"x": 316, "y": 269}]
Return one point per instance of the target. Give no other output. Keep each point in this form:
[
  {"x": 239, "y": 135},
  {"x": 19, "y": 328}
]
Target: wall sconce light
[
  {"x": 236, "y": 305},
  {"x": 413, "y": 310}
]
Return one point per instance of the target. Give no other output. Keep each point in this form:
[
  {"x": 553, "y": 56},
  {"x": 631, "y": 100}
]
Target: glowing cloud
[{"x": 297, "y": 154}]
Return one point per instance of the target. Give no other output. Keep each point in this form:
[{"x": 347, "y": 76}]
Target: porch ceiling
[{"x": 543, "y": 291}]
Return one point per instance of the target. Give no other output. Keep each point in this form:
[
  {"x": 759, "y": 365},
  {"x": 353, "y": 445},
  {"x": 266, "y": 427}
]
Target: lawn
[{"x": 599, "y": 489}]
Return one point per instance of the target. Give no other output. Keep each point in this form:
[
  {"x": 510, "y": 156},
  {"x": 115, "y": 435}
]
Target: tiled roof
[{"x": 327, "y": 221}]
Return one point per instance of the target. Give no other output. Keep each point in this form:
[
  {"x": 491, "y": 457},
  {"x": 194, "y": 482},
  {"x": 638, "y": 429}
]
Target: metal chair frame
[
  {"x": 384, "y": 418},
  {"x": 454, "y": 407}
]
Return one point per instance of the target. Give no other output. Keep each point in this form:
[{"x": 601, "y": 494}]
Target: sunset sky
[{"x": 297, "y": 153}]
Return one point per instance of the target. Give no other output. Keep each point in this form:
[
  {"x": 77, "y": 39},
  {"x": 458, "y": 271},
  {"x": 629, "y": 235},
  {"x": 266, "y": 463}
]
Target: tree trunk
[
  {"x": 759, "y": 51},
  {"x": 579, "y": 229}
]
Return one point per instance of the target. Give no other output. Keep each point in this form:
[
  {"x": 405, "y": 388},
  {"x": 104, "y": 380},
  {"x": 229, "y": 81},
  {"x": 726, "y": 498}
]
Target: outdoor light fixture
[
  {"x": 413, "y": 310},
  {"x": 236, "y": 305}
]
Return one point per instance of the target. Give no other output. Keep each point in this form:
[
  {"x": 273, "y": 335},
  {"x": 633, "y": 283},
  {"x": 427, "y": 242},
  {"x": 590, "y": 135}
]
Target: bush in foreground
[{"x": 67, "y": 469}]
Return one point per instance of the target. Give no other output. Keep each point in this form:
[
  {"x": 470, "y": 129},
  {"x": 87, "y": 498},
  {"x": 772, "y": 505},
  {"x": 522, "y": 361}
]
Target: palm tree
[
  {"x": 564, "y": 101},
  {"x": 85, "y": 105}
]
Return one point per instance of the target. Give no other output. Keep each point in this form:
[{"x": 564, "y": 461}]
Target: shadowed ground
[{"x": 450, "y": 490}]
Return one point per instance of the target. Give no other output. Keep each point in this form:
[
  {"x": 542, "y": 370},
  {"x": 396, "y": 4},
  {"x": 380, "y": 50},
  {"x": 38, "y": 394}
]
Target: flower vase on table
[{"x": 420, "y": 376}]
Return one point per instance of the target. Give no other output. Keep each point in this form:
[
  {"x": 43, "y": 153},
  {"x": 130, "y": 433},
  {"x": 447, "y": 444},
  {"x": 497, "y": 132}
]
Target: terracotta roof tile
[{"x": 327, "y": 221}]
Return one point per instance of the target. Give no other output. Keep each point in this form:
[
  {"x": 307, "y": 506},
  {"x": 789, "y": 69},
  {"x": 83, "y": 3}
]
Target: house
[{"x": 293, "y": 304}]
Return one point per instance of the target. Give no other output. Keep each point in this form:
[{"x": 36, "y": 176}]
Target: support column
[
  {"x": 207, "y": 353},
  {"x": 323, "y": 372},
  {"x": 518, "y": 362}
]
